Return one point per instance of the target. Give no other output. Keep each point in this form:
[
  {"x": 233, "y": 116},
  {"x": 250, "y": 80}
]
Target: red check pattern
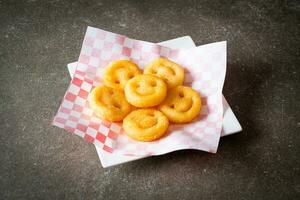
[
  {"x": 205, "y": 73},
  {"x": 75, "y": 116}
]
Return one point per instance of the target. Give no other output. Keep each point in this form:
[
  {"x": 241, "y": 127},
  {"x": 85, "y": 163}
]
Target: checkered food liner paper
[{"x": 205, "y": 68}]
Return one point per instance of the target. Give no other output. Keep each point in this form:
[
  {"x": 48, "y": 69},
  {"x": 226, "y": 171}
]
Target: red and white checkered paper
[{"x": 205, "y": 68}]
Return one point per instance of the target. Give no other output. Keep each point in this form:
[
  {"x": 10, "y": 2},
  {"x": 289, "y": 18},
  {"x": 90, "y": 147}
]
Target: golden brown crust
[
  {"x": 119, "y": 72},
  {"x": 109, "y": 104},
  {"x": 169, "y": 71},
  {"x": 145, "y": 91},
  {"x": 145, "y": 124},
  {"x": 181, "y": 105}
]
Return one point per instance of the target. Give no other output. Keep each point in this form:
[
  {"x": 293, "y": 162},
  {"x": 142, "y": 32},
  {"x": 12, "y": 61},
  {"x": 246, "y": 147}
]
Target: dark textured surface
[{"x": 38, "y": 161}]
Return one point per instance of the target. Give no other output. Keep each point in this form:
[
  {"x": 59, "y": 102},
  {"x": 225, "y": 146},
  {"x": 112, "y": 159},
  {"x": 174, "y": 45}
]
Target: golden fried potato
[
  {"x": 119, "y": 72},
  {"x": 170, "y": 72},
  {"x": 181, "y": 105},
  {"x": 109, "y": 104},
  {"x": 145, "y": 124},
  {"x": 145, "y": 91}
]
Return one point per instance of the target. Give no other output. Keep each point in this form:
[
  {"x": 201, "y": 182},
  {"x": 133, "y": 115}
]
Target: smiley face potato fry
[
  {"x": 145, "y": 91},
  {"x": 119, "y": 72},
  {"x": 170, "y": 72},
  {"x": 145, "y": 124},
  {"x": 109, "y": 104},
  {"x": 146, "y": 102},
  {"x": 181, "y": 105}
]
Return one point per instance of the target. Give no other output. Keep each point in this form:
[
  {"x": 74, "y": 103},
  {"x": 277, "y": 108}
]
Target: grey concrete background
[{"x": 38, "y": 161}]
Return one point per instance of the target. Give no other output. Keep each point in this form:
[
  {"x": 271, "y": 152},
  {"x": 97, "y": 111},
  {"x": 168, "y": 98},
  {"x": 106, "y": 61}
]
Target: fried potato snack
[
  {"x": 170, "y": 72},
  {"x": 109, "y": 104},
  {"x": 181, "y": 105},
  {"x": 145, "y": 91},
  {"x": 145, "y": 125},
  {"x": 119, "y": 72}
]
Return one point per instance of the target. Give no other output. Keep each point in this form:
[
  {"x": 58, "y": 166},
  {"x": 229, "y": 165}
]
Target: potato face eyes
[
  {"x": 145, "y": 124},
  {"x": 119, "y": 72},
  {"x": 170, "y": 72},
  {"x": 181, "y": 105},
  {"x": 109, "y": 104},
  {"x": 145, "y": 91}
]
